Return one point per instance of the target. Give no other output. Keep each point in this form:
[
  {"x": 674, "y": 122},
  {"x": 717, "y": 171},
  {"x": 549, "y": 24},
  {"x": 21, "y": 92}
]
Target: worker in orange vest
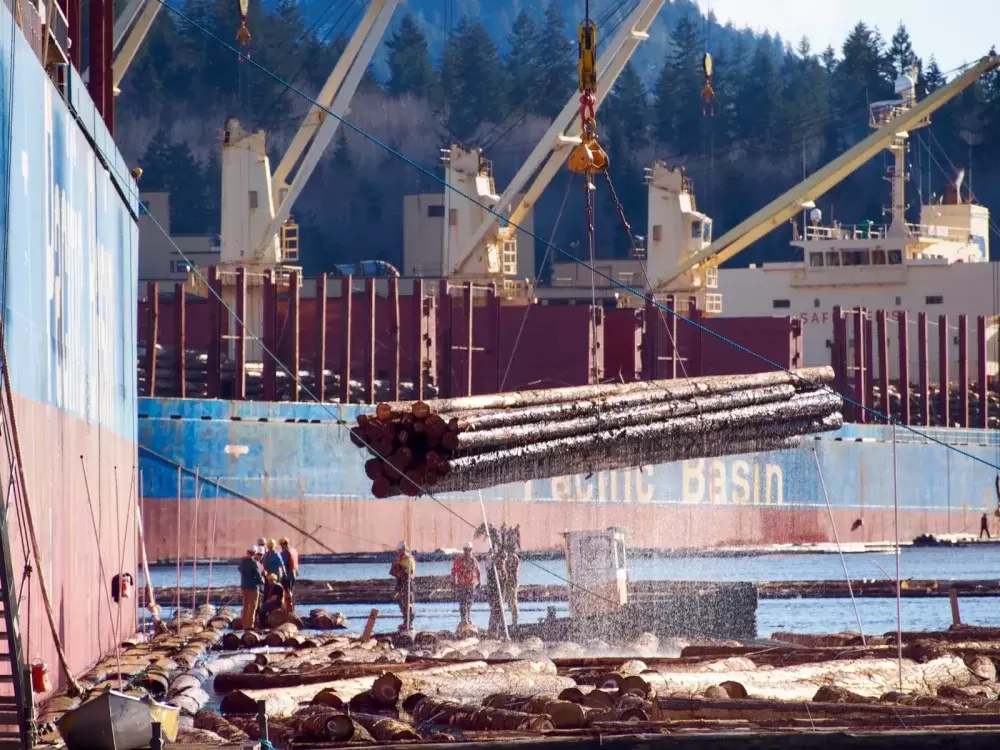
[{"x": 466, "y": 577}]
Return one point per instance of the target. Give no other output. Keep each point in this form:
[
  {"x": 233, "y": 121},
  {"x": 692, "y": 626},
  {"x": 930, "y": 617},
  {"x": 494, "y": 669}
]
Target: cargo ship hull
[
  {"x": 289, "y": 469},
  {"x": 69, "y": 291}
]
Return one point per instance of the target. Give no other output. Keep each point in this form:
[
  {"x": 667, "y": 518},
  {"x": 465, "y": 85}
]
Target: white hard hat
[
  {"x": 467, "y": 545},
  {"x": 401, "y": 545},
  {"x": 261, "y": 541},
  {"x": 252, "y": 549}
]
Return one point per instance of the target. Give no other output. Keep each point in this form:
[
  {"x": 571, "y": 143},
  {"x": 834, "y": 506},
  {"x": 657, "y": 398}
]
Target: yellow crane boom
[{"x": 787, "y": 205}]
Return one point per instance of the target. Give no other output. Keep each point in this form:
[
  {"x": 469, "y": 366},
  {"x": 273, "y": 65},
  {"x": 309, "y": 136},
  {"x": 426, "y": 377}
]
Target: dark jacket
[{"x": 250, "y": 577}]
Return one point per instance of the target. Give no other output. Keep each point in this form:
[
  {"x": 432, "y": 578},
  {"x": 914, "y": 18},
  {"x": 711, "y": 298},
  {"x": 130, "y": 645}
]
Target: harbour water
[{"x": 878, "y": 616}]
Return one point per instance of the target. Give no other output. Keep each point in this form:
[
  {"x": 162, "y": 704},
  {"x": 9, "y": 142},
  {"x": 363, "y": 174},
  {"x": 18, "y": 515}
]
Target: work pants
[
  {"x": 465, "y": 596},
  {"x": 249, "y": 608},
  {"x": 510, "y": 596},
  {"x": 404, "y": 595},
  {"x": 288, "y": 582}
]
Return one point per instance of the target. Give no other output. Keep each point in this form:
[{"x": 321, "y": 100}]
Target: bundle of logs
[{"x": 470, "y": 443}]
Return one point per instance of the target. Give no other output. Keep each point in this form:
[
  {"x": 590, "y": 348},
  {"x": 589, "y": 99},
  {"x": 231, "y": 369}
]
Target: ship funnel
[{"x": 953, "y": 190}]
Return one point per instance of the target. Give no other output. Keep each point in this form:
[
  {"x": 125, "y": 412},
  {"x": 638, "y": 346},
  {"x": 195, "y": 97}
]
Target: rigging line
[
  {"x": 538, "y": 275},
  {"x": 544, "y": 93},
  {"x": 840, "y": 551},
  {"x": 491, "y": 211},
  {"x": 674, "y": 354},
  {"x": 246, "y": 498}
]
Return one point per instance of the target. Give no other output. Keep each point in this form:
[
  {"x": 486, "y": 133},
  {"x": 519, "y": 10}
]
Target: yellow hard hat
[
  {"x": 272, "y": 577},
  {"x": 270, "y": 544},
  {"x": 283, "y": 540}
]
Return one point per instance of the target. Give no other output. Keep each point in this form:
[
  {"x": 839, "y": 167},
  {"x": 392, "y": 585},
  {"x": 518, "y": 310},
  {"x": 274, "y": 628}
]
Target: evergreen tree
[
  {"x": 901, "y": 53},
  {"x": 473, "y": 79},
  {"x": 761, "y": 103},
  {"x": 409, "y": 62},
  {"x": 626, "y": 110},
  {"x": 678, "y": 107},
  {"x": 933, "y": 77},
  {"x": 557, "y": 59},
  {"x": 522, "y": 62},
  {"x": 171, "y": 167}
]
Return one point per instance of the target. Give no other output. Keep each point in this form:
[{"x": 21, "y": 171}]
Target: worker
[
  {"x": 495, "y": 585},
  {"x": 274, "y": 596},
  {"x": 290, "y": 558},
  {"x": 272, "y": 560},
  {"x": 466, "y": 577},
  {"x": 250, "y": 583},
  {"x": 984, "y": 526},
  {"x": 404, "y": 569},
  {"x": 510, "y": 578}
]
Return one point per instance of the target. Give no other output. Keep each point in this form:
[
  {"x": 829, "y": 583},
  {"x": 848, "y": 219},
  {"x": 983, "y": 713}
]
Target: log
[
  {"x": 384, "y": 729},
  {"x": 866, "y": 677},
  {"x": 284, "y": 701},
  {"x": 475, "y": 441},
  {"x": 713, "y": 384},
  {"x": 476, "y": 683},
  {"x": 320, "y": 619},
  {"x": 280, "y": 634},
  {"x": 470, "y": 717},
  {"x": 225, "y": 729},
  {"x": 325, "y": 723},
  {"x": 279, "y": 733}
]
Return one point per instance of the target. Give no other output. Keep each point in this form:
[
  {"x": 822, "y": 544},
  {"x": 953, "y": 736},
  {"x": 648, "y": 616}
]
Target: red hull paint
[
  {"x": 52, "y": 443},
  {"x": 352, "y": 525}
]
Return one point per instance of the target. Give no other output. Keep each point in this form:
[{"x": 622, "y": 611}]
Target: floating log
[
  {"x": 320, "y": 619},
  {"x": 471, "y": 717},
  {"x": 325, "y": 723},
  {"x": 385, "y": 729},
  {"x": 516, "y": 678},
  {"x": 225, "y": 729},
  {"x": 867, "y": 677},
  {"x": 280, "y": 634}
]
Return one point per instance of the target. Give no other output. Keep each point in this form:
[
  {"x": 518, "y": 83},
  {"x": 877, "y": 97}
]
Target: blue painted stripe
[
  {"x": 72, "y": 246},
  {"x": 276, "y": 450}
]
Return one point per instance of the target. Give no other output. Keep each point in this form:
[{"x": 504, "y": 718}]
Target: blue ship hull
[
  {"x": 290, "y": 469},
  {"x": 69, "y": 256}
]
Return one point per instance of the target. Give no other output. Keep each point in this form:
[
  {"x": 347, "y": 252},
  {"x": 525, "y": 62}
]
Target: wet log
[
  {"x": 470, "y": 717},
  {"x": 320, "y": 619},
  {"x": 279, "y": 733},
  {"x": 283, "y": 701},
  {"x": 280, "y": 634},
  {"x": 515, "y": 678},
  {"x": 866, "y": 677},
  {"x": 385, "y": 729},
  {"x": 250, "y": 639},
  {"x": 190, "y": 701},
  {"x": 225, "y": 729},
  {"x": 325, "y": 723},
  {"x": 713, "y": 384},
  {"x": 193, "y": 736}
]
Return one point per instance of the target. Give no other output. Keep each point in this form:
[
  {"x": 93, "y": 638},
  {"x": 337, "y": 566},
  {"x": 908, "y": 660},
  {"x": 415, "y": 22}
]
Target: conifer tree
[
  {"x": 557, "y": 60},
  {"x": 678, "y": 107},
  {"x": 409, "y": 61},
  {"x": 521, "y": 63}
]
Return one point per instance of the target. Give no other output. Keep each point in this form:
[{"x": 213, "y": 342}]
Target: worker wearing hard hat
[
  {"x": 404, "y": 570},
  {"x": 251, "y": 582},
  {"x": 466, "y": 577},
  {"x": 290, "y": 558}
]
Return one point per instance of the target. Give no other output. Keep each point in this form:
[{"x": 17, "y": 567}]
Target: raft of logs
[
  {"x": 434, "y": 687},
  {"x": 475, "y": 442}
]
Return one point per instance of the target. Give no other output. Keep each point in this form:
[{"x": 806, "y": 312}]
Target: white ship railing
[{"x": 880, "y": 231}]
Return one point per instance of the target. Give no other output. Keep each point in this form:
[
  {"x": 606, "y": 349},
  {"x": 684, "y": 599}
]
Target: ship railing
[
  {"x": 846, "y": 232},
  {"x": 57, "y": 27},
  {"x": 950, "y": 436},
  {"x": 31, "y": 23},
  {"x": 937, "y": 231}
]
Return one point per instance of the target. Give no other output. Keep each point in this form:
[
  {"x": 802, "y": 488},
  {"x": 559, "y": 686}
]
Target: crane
[
  {"x": 320, "y": 126},
  {"x": 481, "y": 256},
  {"x": 893, "y": 120},
  {"x": 130, "y": 31}
]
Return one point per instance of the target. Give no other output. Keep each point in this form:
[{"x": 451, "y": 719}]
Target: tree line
[{"x": 778, "y": 111}]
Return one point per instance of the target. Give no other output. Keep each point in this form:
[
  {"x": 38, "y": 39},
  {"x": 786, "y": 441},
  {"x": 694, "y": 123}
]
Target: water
[{"x": 803, "y": 616}]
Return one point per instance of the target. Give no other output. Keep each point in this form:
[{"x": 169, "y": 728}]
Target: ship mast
[{"x": 881, "y": 114}]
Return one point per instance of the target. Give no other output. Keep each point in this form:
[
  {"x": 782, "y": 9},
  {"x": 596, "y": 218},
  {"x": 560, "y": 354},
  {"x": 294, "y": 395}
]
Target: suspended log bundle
[{"x": 462, "y": 444}]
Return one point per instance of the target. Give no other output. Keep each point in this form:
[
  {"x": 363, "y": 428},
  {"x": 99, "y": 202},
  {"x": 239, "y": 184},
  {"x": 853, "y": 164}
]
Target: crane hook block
[
  {"x": 588, "y": 56},
  {"x": 588, "y": 156}
]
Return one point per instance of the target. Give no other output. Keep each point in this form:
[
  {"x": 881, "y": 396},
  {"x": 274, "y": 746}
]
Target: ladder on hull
[{"x": 17, "y": 720}]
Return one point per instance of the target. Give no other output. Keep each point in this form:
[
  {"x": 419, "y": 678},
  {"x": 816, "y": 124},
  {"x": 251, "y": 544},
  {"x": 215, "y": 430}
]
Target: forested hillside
[{"x": 493, "y": 73}]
